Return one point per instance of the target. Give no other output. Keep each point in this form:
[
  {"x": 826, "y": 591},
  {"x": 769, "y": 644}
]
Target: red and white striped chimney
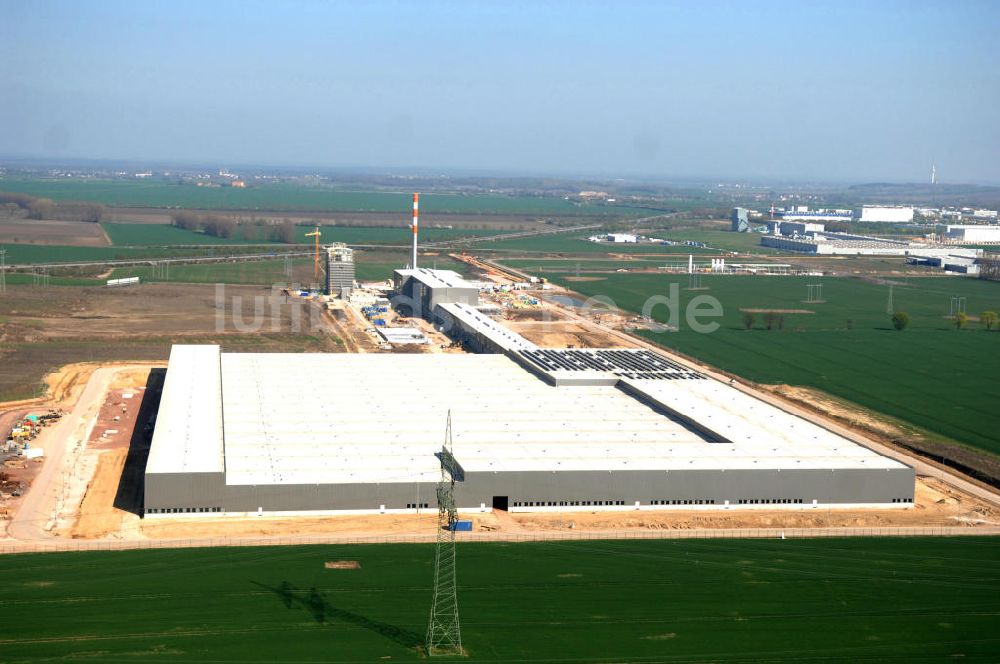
[{"x": 416, "y": 225}]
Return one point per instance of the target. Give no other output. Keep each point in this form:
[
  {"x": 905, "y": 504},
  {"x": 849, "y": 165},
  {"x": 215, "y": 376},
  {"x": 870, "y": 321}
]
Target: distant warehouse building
[
  {"x": 887, "y": 213},
  {"x": 533, "y": 430},
  {"x": 802, "y": 213},
  {"x": 622, "y": 238},
  {"x": 970, "y": 233},
  {"x": 849, "y": 244}
]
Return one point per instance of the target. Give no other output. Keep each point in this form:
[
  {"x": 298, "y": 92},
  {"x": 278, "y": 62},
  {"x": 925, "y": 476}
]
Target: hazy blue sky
[{"x": 845, "y": 90}]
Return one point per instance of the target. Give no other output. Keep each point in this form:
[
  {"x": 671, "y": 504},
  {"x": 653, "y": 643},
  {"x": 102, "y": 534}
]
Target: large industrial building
[
  {"x": 851, "y": 244},
  {"x": 533, "y": 430}
]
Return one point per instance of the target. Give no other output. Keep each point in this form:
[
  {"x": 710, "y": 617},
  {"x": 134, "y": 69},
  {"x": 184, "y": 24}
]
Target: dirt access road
[{"x": 62, "y": 443}]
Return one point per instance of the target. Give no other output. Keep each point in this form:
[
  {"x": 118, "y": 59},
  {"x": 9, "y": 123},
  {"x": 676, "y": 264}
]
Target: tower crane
[{"x": 316, "y": 233}]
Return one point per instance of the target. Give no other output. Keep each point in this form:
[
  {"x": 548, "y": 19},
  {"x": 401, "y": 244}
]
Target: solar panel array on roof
[{"x": 626, "y": 363}]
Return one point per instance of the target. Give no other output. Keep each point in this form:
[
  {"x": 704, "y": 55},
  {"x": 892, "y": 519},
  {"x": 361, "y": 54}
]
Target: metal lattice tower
[
  {"x": 444, "y": 635},
  {"x": 3, "y": 271},
  {"x": 814, "y": 293}
]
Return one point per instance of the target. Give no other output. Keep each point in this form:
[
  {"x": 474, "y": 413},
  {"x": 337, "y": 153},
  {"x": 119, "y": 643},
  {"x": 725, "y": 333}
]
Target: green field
[
  {"x": 46, "y": 253},
  {"x": 134, "y": 241},
  {"x": 146, "y": 235},
  {"x": 720, "y": 239},
  {"x": 20, "y": 279},
  {"x": 577, "y": 243},
  {"x": 930, "y": 375},
  {"x": 861, "y": 600},
  {"x": 251, "y": 272},
  {"x": 376, "y": 267},
  {"x": 588, "y": 264},
  {"x": 126, "y": 193}
]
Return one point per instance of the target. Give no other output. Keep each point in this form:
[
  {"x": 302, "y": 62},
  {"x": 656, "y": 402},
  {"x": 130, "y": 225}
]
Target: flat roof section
[
  {"x": 343, "y": 418},
  {"x": 438, "y": 278},
  {"x": 761, "y": 432},
  {"x": 189, "y": 434},
  {"x": 479, "y": 322}
]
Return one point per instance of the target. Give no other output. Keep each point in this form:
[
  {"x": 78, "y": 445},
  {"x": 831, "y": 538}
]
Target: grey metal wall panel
[{"x": 823, "y": 486}]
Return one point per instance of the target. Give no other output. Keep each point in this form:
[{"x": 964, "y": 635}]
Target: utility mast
[{"x": 444, "y": 635}]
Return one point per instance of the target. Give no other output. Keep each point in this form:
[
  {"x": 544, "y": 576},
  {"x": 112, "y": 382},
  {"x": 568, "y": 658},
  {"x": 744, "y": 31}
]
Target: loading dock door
[{"x": 500, "y": 503}]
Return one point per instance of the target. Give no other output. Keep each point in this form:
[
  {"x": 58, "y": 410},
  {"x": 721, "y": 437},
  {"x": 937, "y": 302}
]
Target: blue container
[{"x": 462, "y": 526}]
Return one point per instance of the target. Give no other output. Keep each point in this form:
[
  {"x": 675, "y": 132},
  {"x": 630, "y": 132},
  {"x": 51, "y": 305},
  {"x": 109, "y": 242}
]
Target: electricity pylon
[{"x": 444, "y": 635}]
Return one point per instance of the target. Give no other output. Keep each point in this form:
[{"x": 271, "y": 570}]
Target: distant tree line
[
  {"x": 46, "y": 208},
  {"x": 228, "y": 228}
]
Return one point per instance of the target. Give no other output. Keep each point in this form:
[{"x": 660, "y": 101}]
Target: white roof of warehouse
[
  {"x": 437, "y": 278},
  {"x": 361, "y": 418},
  {"x": 188, "y": 434}
]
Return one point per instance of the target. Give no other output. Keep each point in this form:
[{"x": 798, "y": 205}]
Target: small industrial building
[
  {"x": 421, "y": 290},
  {"x": 533, "y": 430},
  {"x": 794, "y": 228},
  {"x": 740, "y": 220},
  {"x": 622, "y": 238}
]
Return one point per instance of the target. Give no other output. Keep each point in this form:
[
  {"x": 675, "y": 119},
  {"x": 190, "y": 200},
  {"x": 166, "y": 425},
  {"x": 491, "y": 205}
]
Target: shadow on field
[
  {"x": 323, "y": 612},
  {"x": 130, "y": 487}
]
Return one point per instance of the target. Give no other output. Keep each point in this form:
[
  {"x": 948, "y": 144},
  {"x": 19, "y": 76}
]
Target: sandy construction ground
[
  {"x": 68, "y": 466},
  {"x": 52, "y": 231},
  {"x": 566, "y": 334}
]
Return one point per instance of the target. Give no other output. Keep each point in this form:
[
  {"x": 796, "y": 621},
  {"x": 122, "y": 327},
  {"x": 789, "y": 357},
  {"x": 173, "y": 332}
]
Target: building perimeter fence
[{"x": 56, "y": 545}]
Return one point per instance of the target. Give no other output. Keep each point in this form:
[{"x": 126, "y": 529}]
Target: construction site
[{"x": 561, "y": 420}]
